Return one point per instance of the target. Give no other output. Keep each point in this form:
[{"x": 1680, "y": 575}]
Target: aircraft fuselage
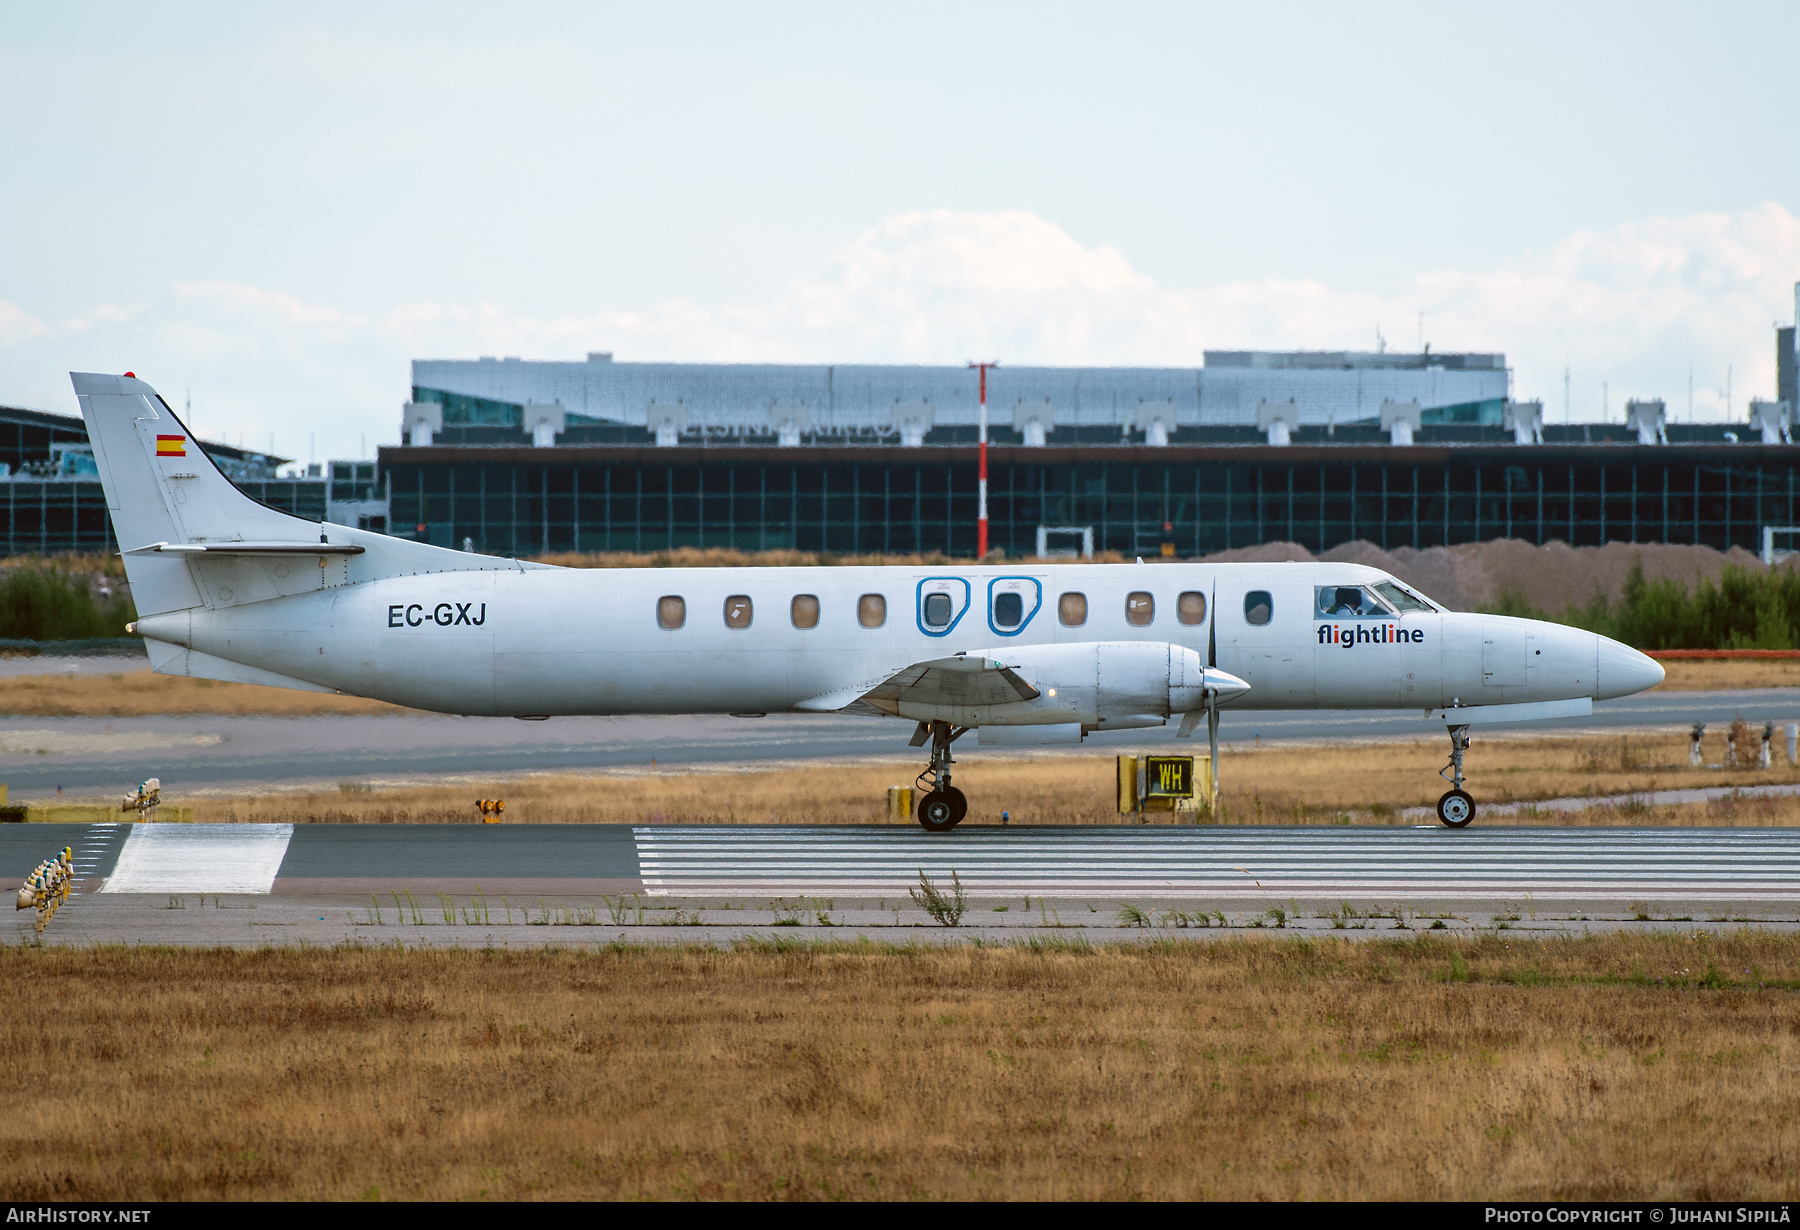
[{"x": 613, "y": 641}]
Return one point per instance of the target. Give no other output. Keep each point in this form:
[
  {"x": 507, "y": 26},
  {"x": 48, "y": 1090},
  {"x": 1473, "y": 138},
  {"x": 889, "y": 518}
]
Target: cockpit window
[
  {"x": 1348, "y": 602},
  {"x": 1400, "y": 599}
]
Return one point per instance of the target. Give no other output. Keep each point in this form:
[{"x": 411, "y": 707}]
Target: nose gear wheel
[{"x": 1456, "y": 809}]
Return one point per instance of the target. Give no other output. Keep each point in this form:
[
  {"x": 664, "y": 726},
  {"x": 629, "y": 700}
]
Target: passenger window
[
  {"x": 1259, "y": 607},
  {"x": 937, "y": 610},
  {"x": 737, "y": 611},
  {"x": 871, "y": 610},
  {"x": 1072, "y": 610},
  {"x": 805, "y": 610},
  {"x": 1140, "y": 609},
  {"x": 1190, "y": 608},
  {"x": 671, "y": 613},
  {"x": 1009, "y": 610}
]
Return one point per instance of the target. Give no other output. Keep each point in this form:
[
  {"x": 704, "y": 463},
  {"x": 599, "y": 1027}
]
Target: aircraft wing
[{"x": 957, "y": 681}]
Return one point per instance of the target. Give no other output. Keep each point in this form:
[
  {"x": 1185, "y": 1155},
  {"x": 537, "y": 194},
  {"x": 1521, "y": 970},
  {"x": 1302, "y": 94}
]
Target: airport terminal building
[
  {"x": 50, "y": 497},
  {"x": 512, "y": 457},
  {"x": 1319, "y": 448},
  {"x": 487, "y": 401}
]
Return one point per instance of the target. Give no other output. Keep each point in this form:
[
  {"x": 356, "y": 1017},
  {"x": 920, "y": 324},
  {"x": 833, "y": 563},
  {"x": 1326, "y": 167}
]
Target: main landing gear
[
  {"x": 943, "y": 806},
  {"x": 1456, "y": 808}
]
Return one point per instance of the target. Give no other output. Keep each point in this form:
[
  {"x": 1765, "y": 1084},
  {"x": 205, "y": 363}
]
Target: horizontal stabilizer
[
  {"x": 248, "y": 548},
  {"x": 166, "y": 659}
]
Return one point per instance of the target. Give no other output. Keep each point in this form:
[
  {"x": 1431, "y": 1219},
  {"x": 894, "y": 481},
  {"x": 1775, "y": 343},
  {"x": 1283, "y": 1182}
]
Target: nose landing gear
[
  {"x": 1456, "y": 808},
  {"x": 943, "y": 806}
]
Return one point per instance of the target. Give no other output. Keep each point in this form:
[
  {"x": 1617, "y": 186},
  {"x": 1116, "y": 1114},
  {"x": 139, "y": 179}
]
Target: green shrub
[
  {"x": 49, "y": 604},
  {"x": 1746, "y": 608}
]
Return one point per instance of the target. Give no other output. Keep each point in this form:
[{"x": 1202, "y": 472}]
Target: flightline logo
[
  {"x": 1351, "y": 635},
  {"x": 171, "y": 446},
  {"x": 444, "y": 614}
]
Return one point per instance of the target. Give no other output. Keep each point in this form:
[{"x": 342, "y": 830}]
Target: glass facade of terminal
[
  {"x": 55, "y": 516},
  {"x": 1718, "y": 496},
  {"x": 462, "y": 410},
  {"x": 644, "y": 501}
]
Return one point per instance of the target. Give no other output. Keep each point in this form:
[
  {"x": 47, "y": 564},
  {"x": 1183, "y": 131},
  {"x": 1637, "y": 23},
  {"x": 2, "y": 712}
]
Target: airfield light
[
  {"x": 47, "y": 887},
  {"x": 144, "y": 800}
]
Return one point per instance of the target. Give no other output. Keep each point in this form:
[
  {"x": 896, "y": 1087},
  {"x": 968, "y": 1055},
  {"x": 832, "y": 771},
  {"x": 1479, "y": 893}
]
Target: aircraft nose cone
[
  {"x": 1621, "y": 670},
  {"x": 1229, "y": 687}
]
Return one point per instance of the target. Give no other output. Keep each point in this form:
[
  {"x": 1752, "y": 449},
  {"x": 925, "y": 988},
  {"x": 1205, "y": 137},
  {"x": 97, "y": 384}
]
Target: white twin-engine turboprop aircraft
[{"x": 227, "y": 588}]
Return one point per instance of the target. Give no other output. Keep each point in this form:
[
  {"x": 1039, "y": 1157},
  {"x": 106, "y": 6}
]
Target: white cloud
[
  {"x": 1637, "y": 304},
  {"x": 1632, "y": 306},
  {"x": 17, "y": 325},
  {"x": 237, "y": 298}
]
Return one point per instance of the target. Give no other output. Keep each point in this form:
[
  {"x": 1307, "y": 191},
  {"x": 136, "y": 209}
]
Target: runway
[
  {"x": 1230, "y": 864},
  {"x": 213, "y": 754},
  {"x": 1200, "y": 864}
]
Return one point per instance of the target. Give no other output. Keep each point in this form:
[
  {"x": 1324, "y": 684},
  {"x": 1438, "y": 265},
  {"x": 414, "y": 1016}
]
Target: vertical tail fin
[
  {"x": 168, "y": 501},
  {"x": 161, "y": 487}
]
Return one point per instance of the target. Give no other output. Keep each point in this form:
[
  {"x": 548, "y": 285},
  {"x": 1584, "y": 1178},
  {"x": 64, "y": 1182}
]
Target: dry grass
[
  {"x": 139, "y": 693},
  {"x": 1625, "y": 1067},
  {"x": 1281, "y": 784},
  {"x": 1302, "y": 785},
  {"x": 1729, "y": 676}
]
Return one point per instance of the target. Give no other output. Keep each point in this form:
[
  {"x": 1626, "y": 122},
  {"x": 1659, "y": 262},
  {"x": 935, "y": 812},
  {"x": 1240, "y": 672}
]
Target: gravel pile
[{"x": 1550, "y": 577}]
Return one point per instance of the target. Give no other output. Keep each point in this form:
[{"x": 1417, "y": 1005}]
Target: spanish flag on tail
[{"x": 171, "y": 446}]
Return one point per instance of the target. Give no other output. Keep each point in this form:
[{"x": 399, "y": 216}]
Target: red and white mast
[{"x": 981, "y": 524}]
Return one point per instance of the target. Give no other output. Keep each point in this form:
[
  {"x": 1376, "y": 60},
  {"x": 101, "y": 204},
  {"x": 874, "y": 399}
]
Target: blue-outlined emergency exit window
[
  {"x": 1012, "y": 601},
  {"x": 942, "y": 604}
]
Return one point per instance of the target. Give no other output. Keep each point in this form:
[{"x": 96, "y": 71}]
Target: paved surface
[
  {"x": 197, "y": 755},
  {"x": 1741, "y": 865},
  {"x": 184, "y": 858},
  {"x": 504, "y": 885},
  {"x": 432, "y": 884},
  {"x": 73, "y": 664},
  {"x": 491, "y": 921},
  {"x": 1231, "y": 864},
  {"x": 1546, "y": 809}
]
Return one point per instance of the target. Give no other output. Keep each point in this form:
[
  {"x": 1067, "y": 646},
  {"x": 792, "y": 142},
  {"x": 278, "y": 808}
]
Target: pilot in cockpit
[{"x": 1348, "y": 600}]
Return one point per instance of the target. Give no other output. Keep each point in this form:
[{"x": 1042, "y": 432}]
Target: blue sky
[{"x": 276, "y": 207}]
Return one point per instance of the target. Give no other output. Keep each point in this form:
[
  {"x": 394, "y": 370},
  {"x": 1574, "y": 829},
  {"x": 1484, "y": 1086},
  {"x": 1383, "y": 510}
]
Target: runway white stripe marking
[
  {"x": 200, "y": 858},
  {"x": 1408, "y": 863}
]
